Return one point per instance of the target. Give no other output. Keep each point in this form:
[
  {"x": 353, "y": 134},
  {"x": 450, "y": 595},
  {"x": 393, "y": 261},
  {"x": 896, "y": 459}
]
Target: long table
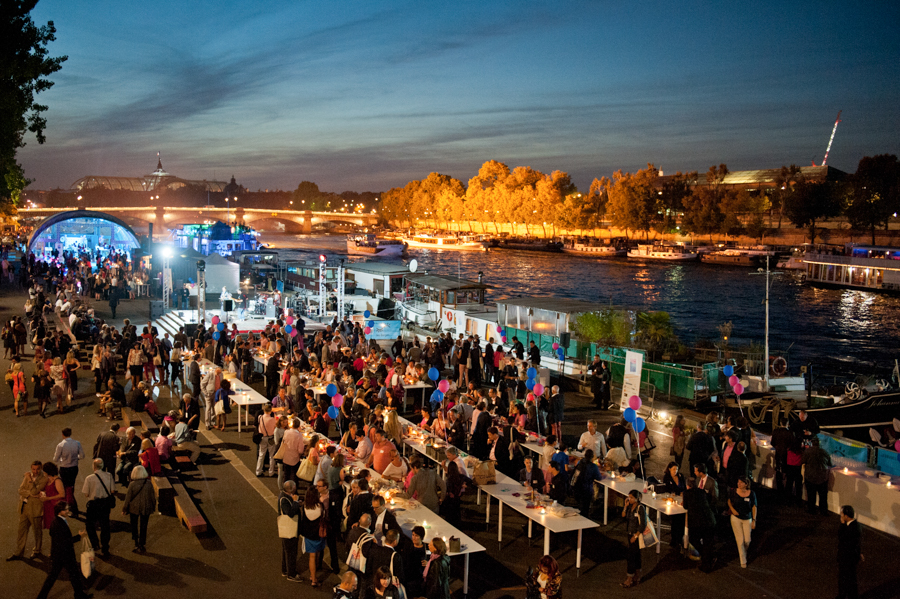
[
  {"x": 875, "y": 502},
  {"x": 244, "y": 395}
]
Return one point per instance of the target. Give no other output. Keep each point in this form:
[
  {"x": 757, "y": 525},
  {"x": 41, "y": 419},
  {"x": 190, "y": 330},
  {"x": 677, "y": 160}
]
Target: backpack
[{"x": 357, "y": 560}]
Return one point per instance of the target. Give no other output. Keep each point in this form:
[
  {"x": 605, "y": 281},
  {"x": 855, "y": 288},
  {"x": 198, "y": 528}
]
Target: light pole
[{"x": 167, "y": 277}]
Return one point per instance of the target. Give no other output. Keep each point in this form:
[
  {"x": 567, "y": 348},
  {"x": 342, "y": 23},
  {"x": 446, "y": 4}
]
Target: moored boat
[
  {"x": 597, "y": 251},
  {"x": 875, "y": 268},
  {"x": 447, "y": 242},
  {"x": 730, "y": 258},
  {"x": 662, "y": 252},
  {"x": 370, "y": 245}
]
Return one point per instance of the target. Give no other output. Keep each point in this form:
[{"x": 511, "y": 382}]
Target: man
[
  {"x": 360, "y": 527},
  {"x": 817, "y": 463},
  {"x": 518, "y": 348},
  {"x": 592, "y": 439},
  {"x": 209, "y": 385},
  {"x": 534, "y": 354},
  {"x": 106, "y": 447},
  {"x": 702, "y": 520},
  {"x": 532, "y": 477},
  {"x": 701, "y": 447},
  {"x": 192, "y": 375},
  {"x": 559, "y": 483},
  {"x": 190, "y": 409},
  {"x": 805, "y": 428},
  {"x": 605, "y": 387},
  {"x": 480, "y": 433},
  {"x": 347, "y": 588},
  {"x": 452, "y": 455},
  {"x": 288, "y": 505},
  {"x": 128, "y": 455},
  {"x": 97, "y": 488},
  {"x": 138, "y": 397},
  {"x": 62, "y": 553},
  {"x": 361, "y": 502},
  {"x": 849, "y": 553},
  {"x": 363, "y": 446},
  {"x": 386, "y": 556},
  {"x": 267, "y": 425},
  {"x": 381, "y": 452},
  {"x": 707, "y": 483},
  {"x": 115, "y": 396},
  {"x": 31, "y": 511},
  {"x": 499, "y": 449},
  {"x": 68, "y": 453},
  {"x": 557, "y": 408},
  {"x": 397, "y": 347},
  {"x": 456, "y": 434},
  {"x": 735, "y": 463},
  {"x": 384, "y": 519},
  {"x": 183, "y": 439},
  {"x": 489, "y": 362}
]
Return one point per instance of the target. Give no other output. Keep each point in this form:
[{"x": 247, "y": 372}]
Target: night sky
[{"x": 368, "y": 95}]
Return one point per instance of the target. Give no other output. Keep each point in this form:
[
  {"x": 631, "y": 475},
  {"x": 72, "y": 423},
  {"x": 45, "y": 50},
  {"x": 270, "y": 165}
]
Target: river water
[{"x": 840, "y": 331}]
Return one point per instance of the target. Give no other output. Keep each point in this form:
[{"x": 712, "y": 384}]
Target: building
[{"x": 158, "y": 180}]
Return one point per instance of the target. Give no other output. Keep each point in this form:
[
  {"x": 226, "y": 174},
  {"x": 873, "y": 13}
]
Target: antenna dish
[{"x": 413, "y": 265}]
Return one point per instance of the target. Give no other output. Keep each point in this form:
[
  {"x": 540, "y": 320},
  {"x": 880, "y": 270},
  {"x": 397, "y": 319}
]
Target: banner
[
  {"x": 384, "y": 330},
  {"x": 631, "y": 385}
]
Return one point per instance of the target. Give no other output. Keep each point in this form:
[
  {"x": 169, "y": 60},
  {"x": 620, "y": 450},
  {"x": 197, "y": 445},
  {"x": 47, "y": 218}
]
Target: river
[{"x": 840, "y": 331}]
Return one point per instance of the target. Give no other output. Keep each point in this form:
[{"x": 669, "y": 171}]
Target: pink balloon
[
  {"x": 294, "y": 332},
  {"x": 499, "y": 328},
  {"x": 529, "y": 397},
  {"x": 733, "y": 380},
  {"x": 289, "y": 320},
  {"x": 538, "y": 389},
  {"x": 367, "y": 330},
  {"x": 897, "y": 445},
  {"x": 338, "y": 400},
  {"x": 556, "y": 346},
  {"x": 444, "y": 386},
  {"x": 738, "y": 389},
  {"x": 504, "y": 338},
  {"x": 634, "y": 402},
  {"x": 215, "y": 320}
]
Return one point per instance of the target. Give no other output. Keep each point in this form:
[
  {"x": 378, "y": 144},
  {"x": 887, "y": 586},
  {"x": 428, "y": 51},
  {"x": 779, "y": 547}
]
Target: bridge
[{"x": 170, "y": 217}]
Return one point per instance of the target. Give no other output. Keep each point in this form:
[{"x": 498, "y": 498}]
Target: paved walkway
[{"x": 792, "y": 555}]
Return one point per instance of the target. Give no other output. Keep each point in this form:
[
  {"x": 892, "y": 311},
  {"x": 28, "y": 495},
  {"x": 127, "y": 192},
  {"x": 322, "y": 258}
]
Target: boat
[
  {"x": 870, "y": 267},
  {"x": 662, "y": 252},
  {"x": 730, "y": 258},
  {"x": 369, "y": 245},
  {"x": 447, "y": 242},
  {"x": 597, "y": 251},
  {"x": 527, "y": 244}
]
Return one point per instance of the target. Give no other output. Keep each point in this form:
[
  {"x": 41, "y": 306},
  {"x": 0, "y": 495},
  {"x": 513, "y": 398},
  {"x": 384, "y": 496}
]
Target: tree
[
  {"x": 811, "y": 202},
  {"x": 784, "y": 187},
  {"x": 24, "y": 68},
  {"x": 671, "y": 200},
  {"x": 609, "y": 327},
  {"x": 875, "y": 193},
  {"x": 655, "y": 332},
  {"x": 633, "y": 200}
]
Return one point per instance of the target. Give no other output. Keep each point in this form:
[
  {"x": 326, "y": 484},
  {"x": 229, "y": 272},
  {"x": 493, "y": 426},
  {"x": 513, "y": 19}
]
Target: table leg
[
  {"x": 487, "y": 509},
  {"x": 239, "y": 418},
  {"x": 658, "y": 542},
  {"x": 466, "y": 577},
  {"x": 500, "y": 523},
  {"x": 478, "y": 497},
  {"x": 578, "y": 554},
  {"x": 530, "y": 522},
  {"x": 546, "y": 541},
  {"x": 605, "y": 504}
]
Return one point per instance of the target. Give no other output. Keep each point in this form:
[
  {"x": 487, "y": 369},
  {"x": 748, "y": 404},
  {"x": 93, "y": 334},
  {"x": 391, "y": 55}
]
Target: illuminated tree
[
  {"x": 633, "y": 200},
  {"x": 875, "y": 194}
]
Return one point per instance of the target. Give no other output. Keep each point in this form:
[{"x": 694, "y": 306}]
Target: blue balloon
[
  {"x": 216, "y": 335},
  {"x": 288, "y": 328},
  {"x": 331, "y": 390},
  {"x": 433, "y": 373},
  {"x": 530, "y": 383},
  {"x": 639, "y": 424},
  {"x": 728, "y": 370},
  {"x": 437, "y": 396},
  {"x": 371, "y": 324},
  {"x": 629, "y": 415},
  {"x": 221, "y": 326},
  {"x": 531, "y": 372},
  {"x": 367, "y": 314},
  {"x": 333, "y": 412},
  {"x": 561, "y": 353}
]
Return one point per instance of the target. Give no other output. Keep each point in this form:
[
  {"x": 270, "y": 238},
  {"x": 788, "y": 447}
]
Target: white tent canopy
[{"x": 221, "y": 272}]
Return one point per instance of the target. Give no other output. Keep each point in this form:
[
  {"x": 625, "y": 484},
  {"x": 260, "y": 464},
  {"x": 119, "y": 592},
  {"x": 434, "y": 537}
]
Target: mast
[
  {"x": 833, "y": 131},
  {"x": 766, "y": 362}
]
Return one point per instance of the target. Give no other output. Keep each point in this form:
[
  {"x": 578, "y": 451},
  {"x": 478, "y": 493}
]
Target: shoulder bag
[
  {"x": 257, "y": 436},
  {"x": 287, "y": 525}
]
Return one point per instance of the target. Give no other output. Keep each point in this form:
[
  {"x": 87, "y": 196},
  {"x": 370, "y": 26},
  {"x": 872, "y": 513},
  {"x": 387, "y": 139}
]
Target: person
[
  {"x": 586, "y": 472},
  {"x": 222, "y": 402},
  {"x": 451, "y": 506},
  {"x": 816, "y": 463},
  {"x": 605, "y": 386},
  {"x": 742, "y": 505},
  {"x": 636, "y": 521},
  {"x": 20, "y": 392},
  {"x": 388, "y": 558},
  {"x": 674, "y": 482},
  {"x": 288, "y": 505},
  {"x": 381, "y": 584},
  {"x": 425, "y": 485},
  {"x": 107, "y": 445},
  {"x": 381, "y": 452},
  {"x": 701, "y": 446},
  {"x": 557, "y": 408},
  {"x": 592, "y": 439},
  {"x": 397, "y": 469},
  {"x": 596, "y": 382},
  {"x": 532, "y": 477},
  {"x": 437, "y": 571},
  {"x": 62, "y": 553},
  {"x": 149, "y": 457},
  {"x": 734, "y": 460},
  {"x": 702, "y": 521},
  {"x": 67, "y": 455},
  {"x": 414, "y": 556},
  {"x": 98, "y": 487},
  {"x": 183, "y": 438},
  {"x": 311, "y": 514},
  {"x": 498, "y": 450},
  {"x": 545, "y": 581},
  {"x": 617, "y": 436},
  {"x": 140, "y": 502},
  {"x": 31, "y": 511},
  {"x": 54, "y": 492},
  {"x": 849, "y": 553},
  {"x": 559, "y": 483},
  {"x": 679, "y": 440},
  {"x": 805, "y": 428},
  {"x": 266, "y": 427},
  {"x": 347, "y": 588},
  {"x": 129, "y": 449}
]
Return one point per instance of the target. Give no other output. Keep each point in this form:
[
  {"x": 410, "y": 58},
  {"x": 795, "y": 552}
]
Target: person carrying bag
[{"x": 289, "y": 530}]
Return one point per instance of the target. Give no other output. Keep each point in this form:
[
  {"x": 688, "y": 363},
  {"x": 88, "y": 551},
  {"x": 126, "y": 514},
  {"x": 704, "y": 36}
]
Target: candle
[
  {"x": 654, "y": 494},
  {"x": 889, "y": 484},
  {"x": 845, "y": 470},
  {"x": 424, "y": 524},
  {"x": 543, "y": 511}
]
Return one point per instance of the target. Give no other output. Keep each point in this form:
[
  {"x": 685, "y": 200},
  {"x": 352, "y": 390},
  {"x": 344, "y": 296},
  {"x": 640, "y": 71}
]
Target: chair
[{"x": 876, "y": 437}]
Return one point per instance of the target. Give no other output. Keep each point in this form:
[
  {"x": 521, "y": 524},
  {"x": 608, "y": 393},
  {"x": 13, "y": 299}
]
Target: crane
[{"x": 831, "y": 140}]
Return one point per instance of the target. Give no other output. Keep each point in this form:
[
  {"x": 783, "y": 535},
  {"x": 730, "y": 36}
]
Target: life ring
[
  {"x": 779, "y": 366},
  {"x": 449, "y": 316}
]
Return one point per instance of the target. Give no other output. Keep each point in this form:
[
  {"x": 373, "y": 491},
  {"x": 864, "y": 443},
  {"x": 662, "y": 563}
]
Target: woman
[
  {"x": 222, "y": 404},
  {"x": 312, "y": 529},
  {"x": 135, "y": 365},
  {"x": 546, "y": 579},
  {"x": 382, "y": 587},
  {"x": 678, "y": 440},
  {"x": 140, "y": 502},
  {"x": 335, "y": 475},
  {"x": 425, "y": 485},
  {"x": 742, "y": 504},
  {"x": 151, "y": 356},
  {"x": 150, "y": 457},
  {"x": 9, "y": 341},
  {"x": 53, "y": 493},
  {"x": 584, "y": 485},
  {"x": 674, "y": 482},
  {"x": 452, "y": 503},
  {"x": 175, "y": 359},
  {"x": 72, "y": 365},
  {"x": 531, "y": 421},
  {"x": 97, "y": 367},
  {"x": 42, "y": 389},
  {"x": 635, "y": 516},
  {"x": 58, "y": 374},
  {"x": 162, "y": 361},
  {"x": 20, "y": 392},
  {"x": 437, "y": 571},
  {"x": 415, "y": 557}
]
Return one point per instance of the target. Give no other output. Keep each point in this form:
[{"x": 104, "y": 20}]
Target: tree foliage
[
  {"x": 24, "y": 67},
  {"x": 611, "y": 327},
  {"x": 633, "y": 200},
  {"x": 875, "y": 194},
  {"x": 811, "y": 202}
]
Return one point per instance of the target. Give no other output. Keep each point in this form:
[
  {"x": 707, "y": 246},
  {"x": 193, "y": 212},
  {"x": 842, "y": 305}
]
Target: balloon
[
  {"x": 370, "y": 324},
  {"x": 289, "y": 320},
  {"x": 532, "y": 372},
  {"x": 331, "y": 390},
  {"x": 738, "y": 389},
  {"x": 503, "y": 338},
  {"x": 639, "y": 424},
  {"x": 367, "y": 314},
  {"x": 556, "y": 346},
  {"x": 629, "y": 415},
  {"x": 288, "y": 329},
  {"x": 444, "y": 386},
  {"x": 337, "y": 401},
  {"x": 216, "y": 335},
  {"x": 634, "y": 402},
  {"x": 437, "y": 396},
  {"x": 561, "y": 353},
  {"x": 367, "y": 330},
  {"x": 733, "y": 380},
  {"x": 333, "y": 412},
  {"x": 215, "y": 320},
  {"x": 530, "y": 384},
  {"x": 529, "y": 397},
  {"x": 538, "y": 389},
  {"x": 221, "y": 326},
  {"x": 500, "y": 333},
  {"x": 897, "y": 447},
  {"x": 434, "y": 374},
  {"x": 499, "y": 329},
  {"x": 728, "y": 370},
  {"x": 293, "y": 333}
]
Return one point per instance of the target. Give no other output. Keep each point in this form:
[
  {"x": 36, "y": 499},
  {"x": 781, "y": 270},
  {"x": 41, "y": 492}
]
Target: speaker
[
  {"x": 564, "y": 339},
  {"x": 228, "y": 305}
]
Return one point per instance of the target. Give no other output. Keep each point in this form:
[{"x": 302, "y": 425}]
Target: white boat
[
  {"x": 447, "y": 242},
  {"x": 662, "y": 252},
  {"x": 369, "y": 245},
  {"x": 871, "y": 267},
  {"x": 600, "y": 251}
]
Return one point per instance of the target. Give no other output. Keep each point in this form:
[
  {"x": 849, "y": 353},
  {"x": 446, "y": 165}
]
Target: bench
[
  {"x": 165, "y": 494},
  {"x": 185, "y": 509},
  {"x": 141, "y": 420}
]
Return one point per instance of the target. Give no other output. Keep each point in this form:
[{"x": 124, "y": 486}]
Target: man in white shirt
[
  {"x": 182, "y": 439},
  {"x": 364, "y": 446},
  {"x": 452, "y": 454},
  {"x": 324, "y": 464},
  {"x": 98, "y": 486},
  {"x": 592, "y": 439},
  {"x": 67, "y": 455}
]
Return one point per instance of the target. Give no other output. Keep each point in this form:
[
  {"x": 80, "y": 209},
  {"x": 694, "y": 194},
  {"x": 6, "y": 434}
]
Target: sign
[
  {"x": 385, "y": 330},
  {"x": 631, "y": 385},
  {"x": 279, "y": 285}
]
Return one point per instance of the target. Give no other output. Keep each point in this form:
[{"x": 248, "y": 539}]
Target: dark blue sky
[{"x": 368, "y": 95}]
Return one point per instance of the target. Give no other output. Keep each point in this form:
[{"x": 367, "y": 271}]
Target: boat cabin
[
  {"x": 439, "y": 301},
  {"x": 377, "y": 279},
  {"x": 860, "y": 266}
]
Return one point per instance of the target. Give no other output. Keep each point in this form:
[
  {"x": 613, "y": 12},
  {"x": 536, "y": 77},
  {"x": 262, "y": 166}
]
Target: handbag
[
  {"x": 282, "y": 449},
  {"x": 287, "y": 525},
  {"x": 648, "y": 538},
  {"x": 307, "y": 470},
  {"x": 356, "y": 560},
  {"x": 257, "y": 436},
  {"x": 87, "y": 558},
  {"x": 110, "y": 498}
]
